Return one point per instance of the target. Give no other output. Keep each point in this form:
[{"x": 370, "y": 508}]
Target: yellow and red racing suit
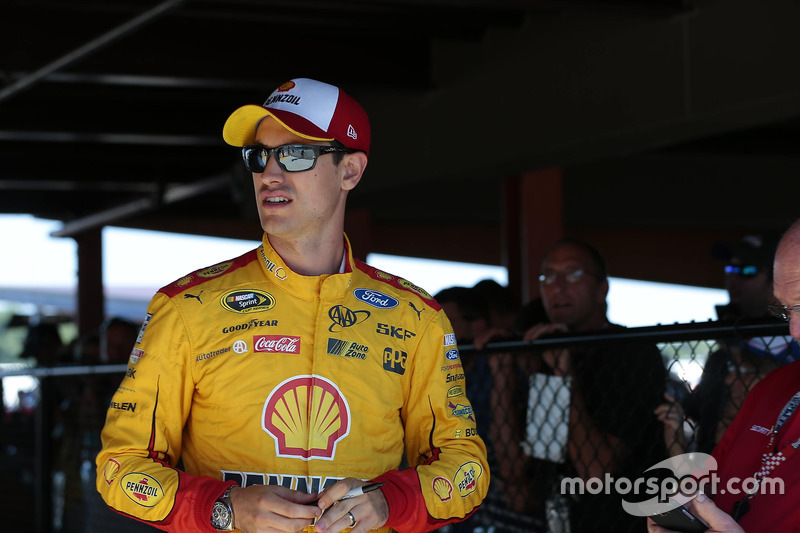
[{"x": 249, "y": 373}]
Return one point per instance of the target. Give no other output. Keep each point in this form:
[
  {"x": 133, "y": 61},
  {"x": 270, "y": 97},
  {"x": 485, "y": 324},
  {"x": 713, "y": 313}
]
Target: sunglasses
[
  {"x": 290, "y": 157},
  {"x": 742, "y": 271}
]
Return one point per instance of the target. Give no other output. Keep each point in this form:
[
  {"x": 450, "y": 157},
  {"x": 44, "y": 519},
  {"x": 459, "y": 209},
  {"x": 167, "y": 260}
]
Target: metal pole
[{"x": 88, "y": 48}]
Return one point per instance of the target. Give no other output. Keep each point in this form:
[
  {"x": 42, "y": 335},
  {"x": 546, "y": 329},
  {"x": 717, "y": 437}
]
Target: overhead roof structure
[{"x": 650, "y": 127}]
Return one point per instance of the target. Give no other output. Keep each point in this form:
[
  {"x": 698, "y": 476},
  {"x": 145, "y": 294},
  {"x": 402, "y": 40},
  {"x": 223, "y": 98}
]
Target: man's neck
[{"x": 310, "y": 258}]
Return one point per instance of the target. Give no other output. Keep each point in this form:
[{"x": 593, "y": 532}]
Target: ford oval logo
[
  {"x": 451, "y": 355},
  {"x": 375, "y": 298}
]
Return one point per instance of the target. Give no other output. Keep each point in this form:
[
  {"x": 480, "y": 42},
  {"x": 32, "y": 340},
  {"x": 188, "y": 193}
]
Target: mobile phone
[{"x": 680, "y": 519}]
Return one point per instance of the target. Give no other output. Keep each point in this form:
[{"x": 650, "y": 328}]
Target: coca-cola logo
[{"x": 276, "y": 344}]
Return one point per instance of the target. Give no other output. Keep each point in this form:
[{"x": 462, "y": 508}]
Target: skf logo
[
  {"x": 142, "y": 489},
  {"x": 392, "y": 331},
  {"x": 442, "y": 488},
  {"x": 130, "y": 373},
  {"x": 215, "y": 270},
  {"x": 375, "y": 298},
  {"x": 306, "y": 416},
  {"x": 276, "y": 344},
  {"x": 394, "y": 361},
  {"x": 466, "y": 478},
  {"x": 247, "y": 301},
  {"x": 344, "y": 317},
  {"x": 463, "y": 411}
]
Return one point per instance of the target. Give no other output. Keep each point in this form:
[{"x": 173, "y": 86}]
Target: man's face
[
  {"x": 786, "y": 278},
  {"x": 751, "y": 294},
  {"x": 297, "y": 205},
  {"x": 571, "y": 299}
]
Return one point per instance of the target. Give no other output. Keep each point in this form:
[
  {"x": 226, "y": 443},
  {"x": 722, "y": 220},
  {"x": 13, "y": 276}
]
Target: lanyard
[{"x": 771, "y": 458}]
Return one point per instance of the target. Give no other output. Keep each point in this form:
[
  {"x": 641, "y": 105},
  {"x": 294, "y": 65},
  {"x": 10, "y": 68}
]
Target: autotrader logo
[{"x": 671, "y": 483}]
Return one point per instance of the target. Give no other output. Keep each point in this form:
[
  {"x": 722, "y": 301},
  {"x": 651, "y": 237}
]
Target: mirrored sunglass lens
[
  {"x": 255, "y": 158},
  {"x": 296, "y": 158}
]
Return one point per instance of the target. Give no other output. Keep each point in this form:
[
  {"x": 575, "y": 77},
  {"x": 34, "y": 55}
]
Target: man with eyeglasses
[
  {"x": 758, "y": 475},
  {"x": 282, "y": 390},
  {"x": 613, "y": 388}
]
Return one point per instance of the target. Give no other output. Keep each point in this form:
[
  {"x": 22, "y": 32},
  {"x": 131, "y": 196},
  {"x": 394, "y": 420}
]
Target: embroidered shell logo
[
  {"x": 442, "y": 488},
  {"x": 306, "y": 416},
  {"x": 288, "y": 86}
]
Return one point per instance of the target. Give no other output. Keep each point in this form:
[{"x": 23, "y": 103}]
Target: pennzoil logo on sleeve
[
  {"x": 247, "y": 301},
  {"x": 466, "y": 478},
  {"x": 215, "y": 270},
  {"x": 142, "y": 489}
]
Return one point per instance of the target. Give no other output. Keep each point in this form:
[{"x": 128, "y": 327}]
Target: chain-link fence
[
  {"x": 565, "y": 417},
  {"x": 555, "y": 413}
]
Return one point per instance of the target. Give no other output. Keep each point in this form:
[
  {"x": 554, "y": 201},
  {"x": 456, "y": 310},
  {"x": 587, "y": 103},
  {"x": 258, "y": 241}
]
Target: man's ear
[{"x": 353, "y": 166}]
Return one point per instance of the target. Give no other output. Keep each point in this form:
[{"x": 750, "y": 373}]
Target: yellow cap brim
[{"x": 240, "y": 128}]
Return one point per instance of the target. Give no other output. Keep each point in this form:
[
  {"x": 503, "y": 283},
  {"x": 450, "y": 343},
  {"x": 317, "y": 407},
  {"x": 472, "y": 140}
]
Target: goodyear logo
[
  {"x": 306, "y": 416},
  {"x": 467, "y": 476},
  {"x": 419, "y": 290},
  {"x": 215, "y": 270},
  {"x": 394, "y": 361},
  {"x": 247, "y": 301},
  {"x": 455, "y": 391},
  {"x": 142, "y": 489}
]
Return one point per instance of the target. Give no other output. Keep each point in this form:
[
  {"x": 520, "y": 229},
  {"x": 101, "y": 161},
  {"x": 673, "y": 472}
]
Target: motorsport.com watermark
[{"x": 671, "y": 483}]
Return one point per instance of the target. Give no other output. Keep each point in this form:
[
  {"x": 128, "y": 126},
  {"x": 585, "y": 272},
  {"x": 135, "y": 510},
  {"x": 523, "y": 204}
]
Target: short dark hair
[{"x": 598, "y": 263}]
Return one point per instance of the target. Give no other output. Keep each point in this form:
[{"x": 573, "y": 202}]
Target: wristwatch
[{"x": 222, "y": 512}]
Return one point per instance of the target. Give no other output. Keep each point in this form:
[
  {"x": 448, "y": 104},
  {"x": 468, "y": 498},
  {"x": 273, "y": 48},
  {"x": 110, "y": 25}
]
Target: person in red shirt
[{"x": 758, "y": 468}]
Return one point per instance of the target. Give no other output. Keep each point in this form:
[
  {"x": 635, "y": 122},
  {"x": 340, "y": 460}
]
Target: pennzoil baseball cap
[{"x": 308, "y": 108}]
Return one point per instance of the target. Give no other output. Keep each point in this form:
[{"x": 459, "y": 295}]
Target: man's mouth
[{"x": 276, "y": 200}]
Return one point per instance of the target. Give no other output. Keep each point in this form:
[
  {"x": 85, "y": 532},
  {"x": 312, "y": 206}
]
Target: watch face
[{"x": 221, "y": 516}]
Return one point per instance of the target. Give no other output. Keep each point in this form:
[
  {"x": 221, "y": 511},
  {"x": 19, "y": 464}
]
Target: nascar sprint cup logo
[{"x": 247, "y": 301}]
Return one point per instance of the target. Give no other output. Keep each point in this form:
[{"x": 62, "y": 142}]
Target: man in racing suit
[{"x": 270, "y": 385}]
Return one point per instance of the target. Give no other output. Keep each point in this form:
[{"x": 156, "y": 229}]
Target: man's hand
[
  {"x": 558, "y": 360},
  {"x": 718, "y": 520},
  {"x": 370, "y": 510},
  {"x": 262, "y": 508}
]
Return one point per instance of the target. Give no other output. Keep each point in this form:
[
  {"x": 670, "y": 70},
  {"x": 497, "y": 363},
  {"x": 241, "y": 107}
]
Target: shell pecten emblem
[{"x": 306, "y": 416}]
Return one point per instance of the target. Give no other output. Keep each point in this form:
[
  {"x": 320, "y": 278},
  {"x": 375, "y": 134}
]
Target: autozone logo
[{"x": 276, "y": 344}]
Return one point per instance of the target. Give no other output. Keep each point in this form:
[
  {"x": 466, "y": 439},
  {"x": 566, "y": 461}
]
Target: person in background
[
  {"x": 735, "y": 367},
  {"x": 760, "y": 443},
  {"x": 263, "y": 389},
  {"x": 612, "y": 390},
  {"x": 470, "y": 312}
]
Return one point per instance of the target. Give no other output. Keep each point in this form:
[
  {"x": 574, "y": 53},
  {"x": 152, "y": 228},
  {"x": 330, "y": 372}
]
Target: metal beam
[
  {"x": 171, "y": 195},
  {"x": 89, "y": 48}
]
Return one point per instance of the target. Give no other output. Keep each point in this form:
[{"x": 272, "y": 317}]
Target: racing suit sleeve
[
  {"x": 136, "y": 467},
  {"x": 449, "y": 474}
]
